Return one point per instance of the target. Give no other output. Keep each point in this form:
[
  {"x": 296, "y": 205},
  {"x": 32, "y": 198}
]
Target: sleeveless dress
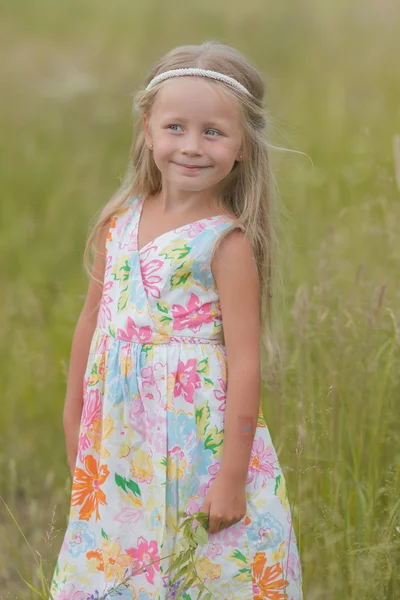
[{"x": 151, "y": 434}]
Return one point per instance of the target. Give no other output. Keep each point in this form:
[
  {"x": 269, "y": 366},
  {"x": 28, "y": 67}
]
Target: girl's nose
[{"x": 192, "y": 146}]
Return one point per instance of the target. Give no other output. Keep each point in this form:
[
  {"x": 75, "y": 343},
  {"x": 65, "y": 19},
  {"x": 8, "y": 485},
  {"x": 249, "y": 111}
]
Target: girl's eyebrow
[{"x": 174, "y": 118}]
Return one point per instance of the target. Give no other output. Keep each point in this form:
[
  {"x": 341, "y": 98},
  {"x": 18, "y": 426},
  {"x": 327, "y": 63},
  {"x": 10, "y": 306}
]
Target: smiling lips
[{"x": 191, "y": 167}]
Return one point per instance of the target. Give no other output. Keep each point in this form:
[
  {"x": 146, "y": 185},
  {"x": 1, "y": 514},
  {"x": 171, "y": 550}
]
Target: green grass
[{"x": 67, "y": 73}]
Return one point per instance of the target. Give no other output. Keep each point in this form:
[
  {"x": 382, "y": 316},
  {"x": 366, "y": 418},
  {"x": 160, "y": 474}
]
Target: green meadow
[{"x": 68, "y": 71}]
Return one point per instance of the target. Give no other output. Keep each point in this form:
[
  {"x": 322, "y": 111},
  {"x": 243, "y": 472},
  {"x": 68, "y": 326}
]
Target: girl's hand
[{"x": 225, "y": 503}]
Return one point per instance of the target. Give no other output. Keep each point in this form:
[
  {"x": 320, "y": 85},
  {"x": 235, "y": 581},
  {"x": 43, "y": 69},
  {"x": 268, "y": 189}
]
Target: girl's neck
[{"x": 170, "y": 201}]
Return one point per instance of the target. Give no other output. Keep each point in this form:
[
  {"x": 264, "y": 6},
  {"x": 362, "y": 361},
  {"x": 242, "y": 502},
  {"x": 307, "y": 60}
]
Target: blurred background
[{"x": 68, "y": 71}]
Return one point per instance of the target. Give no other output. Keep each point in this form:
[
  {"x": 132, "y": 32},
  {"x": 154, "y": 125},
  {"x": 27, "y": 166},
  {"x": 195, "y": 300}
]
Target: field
[{"x": 68, "y": 71}]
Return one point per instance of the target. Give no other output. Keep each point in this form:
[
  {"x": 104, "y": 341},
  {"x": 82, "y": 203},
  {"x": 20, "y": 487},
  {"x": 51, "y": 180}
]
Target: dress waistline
[{"x": 159, "y": 339}]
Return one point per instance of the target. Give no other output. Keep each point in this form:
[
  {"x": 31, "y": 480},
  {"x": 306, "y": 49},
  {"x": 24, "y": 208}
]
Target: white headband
[{"x": 197, "y": 72}]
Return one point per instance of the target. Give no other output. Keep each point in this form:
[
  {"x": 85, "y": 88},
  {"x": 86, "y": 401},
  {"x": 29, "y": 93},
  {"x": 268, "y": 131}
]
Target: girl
[{"x": 168, "y": 348}]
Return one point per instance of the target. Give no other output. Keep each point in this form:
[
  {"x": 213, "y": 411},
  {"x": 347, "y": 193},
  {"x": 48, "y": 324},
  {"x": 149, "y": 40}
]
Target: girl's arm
[
  {"x": 80, "y": 350},
  {"x": 237, "y": 280},
  {"x": 236, "y": 276}
]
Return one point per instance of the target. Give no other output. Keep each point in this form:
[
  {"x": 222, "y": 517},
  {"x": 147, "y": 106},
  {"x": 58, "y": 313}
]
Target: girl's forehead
[{"x": 195, "y": 95}]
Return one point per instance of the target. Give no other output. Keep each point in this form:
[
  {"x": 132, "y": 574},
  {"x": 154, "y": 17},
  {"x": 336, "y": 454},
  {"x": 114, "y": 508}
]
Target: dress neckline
[{"x": 166, "y": 233}]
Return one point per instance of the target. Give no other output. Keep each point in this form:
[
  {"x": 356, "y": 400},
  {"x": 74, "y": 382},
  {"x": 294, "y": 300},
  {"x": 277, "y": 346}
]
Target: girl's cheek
[{"x": 164, "y": 146}]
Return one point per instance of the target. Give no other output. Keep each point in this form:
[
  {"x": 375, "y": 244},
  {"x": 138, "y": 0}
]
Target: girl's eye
[
  {"x": 214, "y": 131},
  {"x": 173, "y": 125}
]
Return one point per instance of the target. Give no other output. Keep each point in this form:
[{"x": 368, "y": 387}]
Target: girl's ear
[
  {"x": 146, "y": 129},
  {"x": 239, "y": 154}
]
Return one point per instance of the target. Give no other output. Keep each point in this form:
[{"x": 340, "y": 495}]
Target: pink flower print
[
  {"x": 104, "y": 344},
  {"x": 104, "y": 315},
  {"x": 231, "y": 536},
  {"x": 213, "y": 471},
  {"x": 155, "y": 373},
  {"x": 220, "y": 395},
  {"x": 213, "y": 550},
  {"x": 149, "y": 278},
  {"x": 137, "y": 418},
  {"x": 177, "y": 464},
  {"x": 145, "y": 553},
  {"x": 155, "y": 436},
  {"x": 193, "y": 315},
  {"x": 129, "y": 515},
  {"x": 70, "y": 593},
  {"x": 150, "y": 376},
  {"x": 137, "y": 405},
  {"x": 293, "y": 565},
  {"x": 262, "y": 462},
  {"x": 194, "y": 229},
  {"x": 124, "y": 244},
  {"x": 193, "y": 506},
  {"x": 134, "y": 333},
  {"x": 91, "y": 413},
  {"x": 137, "y": 415},
  {"x": 108, "y": 267},
  {"x": 91, "y": 407},
  {"x": 126, "y": 360},
  {"x": 186, "y": 379},
  {"x": 131, "y": 246}
]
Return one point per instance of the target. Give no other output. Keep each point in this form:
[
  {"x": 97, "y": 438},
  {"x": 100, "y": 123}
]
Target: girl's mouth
[{"x": 190, "y": 167}]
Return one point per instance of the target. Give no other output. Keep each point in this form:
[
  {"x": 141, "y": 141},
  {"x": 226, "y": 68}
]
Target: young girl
[{"x": 168, "y": 350}]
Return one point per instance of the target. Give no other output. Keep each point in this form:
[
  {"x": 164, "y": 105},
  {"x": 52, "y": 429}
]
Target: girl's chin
[{"x": 186, "y": 183}]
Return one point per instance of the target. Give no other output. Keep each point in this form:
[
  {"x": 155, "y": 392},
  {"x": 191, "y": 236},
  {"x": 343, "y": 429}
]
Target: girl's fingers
[{"x": 214, "y": 525}]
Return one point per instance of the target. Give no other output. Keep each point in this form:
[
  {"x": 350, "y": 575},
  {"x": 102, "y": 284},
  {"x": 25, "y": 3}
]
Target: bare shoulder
[{"x": 234, "y": 253}]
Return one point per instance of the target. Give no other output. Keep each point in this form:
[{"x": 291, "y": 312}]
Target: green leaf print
[
  {"x": 217, "y": 327},
  {"x": 238, "y": 558},
  {"x": 165, "y": 320},
  {"x": 123, "y": 298},
  {"x": 208, "y": 382},
  {"x": 104, "y": 535},
  {"x": 182, "y": 276},
  {"x": 281, "y": 491},
  {"x": 175, "y": 252},
  {"x": 243, "y": 575},
  {"x": 202, "y": 418},
  {"x": 202, "y": 366},
  {"x": 163, "y": 307},
  {"x": 125, "y": 272},
  {"x": 121, "y": 270},
  {"x": 147, "y": 348},
  {"x": 214, "y": 439},
  {"x": 126, "y": 484}
]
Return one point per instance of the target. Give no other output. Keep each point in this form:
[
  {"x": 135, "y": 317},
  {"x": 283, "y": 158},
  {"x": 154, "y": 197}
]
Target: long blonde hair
[{"x": 248, "y": 191}]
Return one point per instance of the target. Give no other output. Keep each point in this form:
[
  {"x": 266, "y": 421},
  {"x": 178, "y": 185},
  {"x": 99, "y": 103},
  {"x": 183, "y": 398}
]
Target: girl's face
[{"x": 196, "y": 133}]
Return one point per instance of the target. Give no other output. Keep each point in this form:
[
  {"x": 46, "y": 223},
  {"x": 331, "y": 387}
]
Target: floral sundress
[{"x": 152, "y": 429}]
